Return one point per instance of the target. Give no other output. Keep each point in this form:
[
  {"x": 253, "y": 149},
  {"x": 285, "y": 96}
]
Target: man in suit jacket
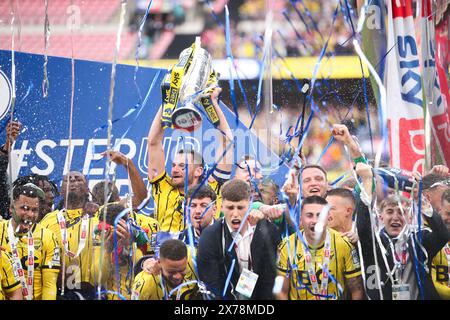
[
  {"x": 408, "y": 259},
  {"x": 232, "y": 246}
]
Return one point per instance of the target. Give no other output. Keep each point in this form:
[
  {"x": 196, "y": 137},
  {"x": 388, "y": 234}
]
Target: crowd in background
[{"x": 306, "y": 37}]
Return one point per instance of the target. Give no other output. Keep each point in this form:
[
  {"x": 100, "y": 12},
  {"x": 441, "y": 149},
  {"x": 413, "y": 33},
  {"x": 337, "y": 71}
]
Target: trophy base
[{"x": 186, "y": 119}]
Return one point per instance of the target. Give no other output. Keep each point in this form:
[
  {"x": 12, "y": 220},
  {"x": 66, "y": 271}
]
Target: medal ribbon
[
  {"x": 400, "y": 261},
  {"x": 311, "y": 270},
  {"x": 83, "y": 235},
  {"x": 27, "y": 285}
]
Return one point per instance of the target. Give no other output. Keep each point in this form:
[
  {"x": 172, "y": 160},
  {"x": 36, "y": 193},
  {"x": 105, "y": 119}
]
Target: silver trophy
[{"x": 185, "y": 116}]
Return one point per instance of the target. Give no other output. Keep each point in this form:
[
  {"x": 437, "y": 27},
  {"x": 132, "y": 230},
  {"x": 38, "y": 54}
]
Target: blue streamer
[
  {"x": 338, "y": 179},
  {"x": 321, "y": 56},
  {"x": 366, "y": 99},
  {"x": 140, "y": 107},
  {"x": 116, "y": 249},
  {"x": 185, "y": 207},
  {"x": 322, "y": 53},
  {"x": 325, "y": 149},
  {"x": 211, "y": 170},
  {"x": 308, "y": 13},
  {"x": 305, "y": 132},
  {"x": 420, "y": 276},
  {"x": 419, "y": 215},
  {"x": 230, "y": 63},
  {"x": 181, "y": 286},
  {"x": 133, "y": 225},
  {"x": 327, "y": 296},
  {"x": 214, "y": 15},
  {"x": 258, "y": 95},
  {"x": 301, "y": 18},
  {"x": 230, "y": 272},
  {"x": 300, "y": 236},
  {"x": 99, "y": 294},
  {"x": 227, "y": 281},
  {"x": 136, "y": 55},
  {"x": 299, "y": 37}
]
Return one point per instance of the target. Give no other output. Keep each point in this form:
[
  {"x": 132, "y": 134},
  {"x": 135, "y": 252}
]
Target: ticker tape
[{"x": 138, "y": 47}]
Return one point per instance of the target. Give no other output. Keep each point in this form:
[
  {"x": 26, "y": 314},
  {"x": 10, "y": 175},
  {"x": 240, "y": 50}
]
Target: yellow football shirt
[
  {"x": 216, "y": 186},
  {"x": 169, "y": 202},
  {"x": 110, "y": 277},
  {"x": 150, "y": 287},
  {"x": 439, "y": 273},
  {"x": 46, "y": 259},
  {"x": 77, "y": 269},
  {"x": 8, "y": 281},
  {"x": 343, "y": 264}
]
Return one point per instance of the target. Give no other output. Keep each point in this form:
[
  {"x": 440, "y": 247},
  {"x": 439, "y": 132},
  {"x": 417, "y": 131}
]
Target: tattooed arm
[{"x": 355, "y": 286}]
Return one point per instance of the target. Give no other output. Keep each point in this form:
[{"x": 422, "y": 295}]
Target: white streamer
[
  {"x": 110, "y": 113},
  {"x": 45, "y": 82}
]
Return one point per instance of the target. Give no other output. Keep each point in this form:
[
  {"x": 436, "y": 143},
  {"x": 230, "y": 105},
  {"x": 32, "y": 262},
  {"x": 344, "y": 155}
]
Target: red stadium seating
[
  {"x": 31, "y": 12},
  {"x": 98, "y": 47}
]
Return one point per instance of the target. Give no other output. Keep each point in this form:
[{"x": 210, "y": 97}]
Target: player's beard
[
  {"x": 181, "y": 183},
  {"x": 22, "y": 224},
  {"x": 75, "y": 199}
]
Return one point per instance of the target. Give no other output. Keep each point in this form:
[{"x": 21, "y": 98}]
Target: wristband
[
  {"x": 256, "y": 205},
  {"x": 279, "y": 221},
  {"x": 361, "y": 159}
]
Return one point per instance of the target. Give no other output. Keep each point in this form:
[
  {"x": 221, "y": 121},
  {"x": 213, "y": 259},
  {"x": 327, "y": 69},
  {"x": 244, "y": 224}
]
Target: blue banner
[{"x": 42, "y": 146}]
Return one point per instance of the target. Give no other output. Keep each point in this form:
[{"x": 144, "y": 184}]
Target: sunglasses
[
  {"x": 39, "y": 192},
  {"x": 444, "y": 183}
]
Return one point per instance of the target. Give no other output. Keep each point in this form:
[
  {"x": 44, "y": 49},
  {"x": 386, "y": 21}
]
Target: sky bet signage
[
  {"x": 404, "y": 90},
  {"x": 43, "y": 145}
]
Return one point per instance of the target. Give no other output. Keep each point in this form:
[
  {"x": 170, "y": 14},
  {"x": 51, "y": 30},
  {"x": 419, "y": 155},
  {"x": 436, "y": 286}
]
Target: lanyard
[
  {"x": 241, "y": 259},
  {"x": 311, "y": 271},
  {"x": 447, "y": 255},
  {"x": 383, "y": 250},
  {"x": 163, "y": 286},
  {"x": 249, "y": 267},
  {"x": 83, "y": 235},
  {"x": 399, "y": 261},
  {"x": 27, "y": 285}
]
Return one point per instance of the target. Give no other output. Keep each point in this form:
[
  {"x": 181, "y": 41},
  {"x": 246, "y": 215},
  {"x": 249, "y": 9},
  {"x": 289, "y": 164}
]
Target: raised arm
[
  {"x": 226, "y": 162},
  {"x": 440, "y": 170},
  {"x": 137, "y": 184},
  {"x": 12, "y": 131},
  {"x": 156, "y": 159},
  {"x": 356, "y": 288},
  {"x": 340, "y": 133},
  {"x": 363, "y": 222}
]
